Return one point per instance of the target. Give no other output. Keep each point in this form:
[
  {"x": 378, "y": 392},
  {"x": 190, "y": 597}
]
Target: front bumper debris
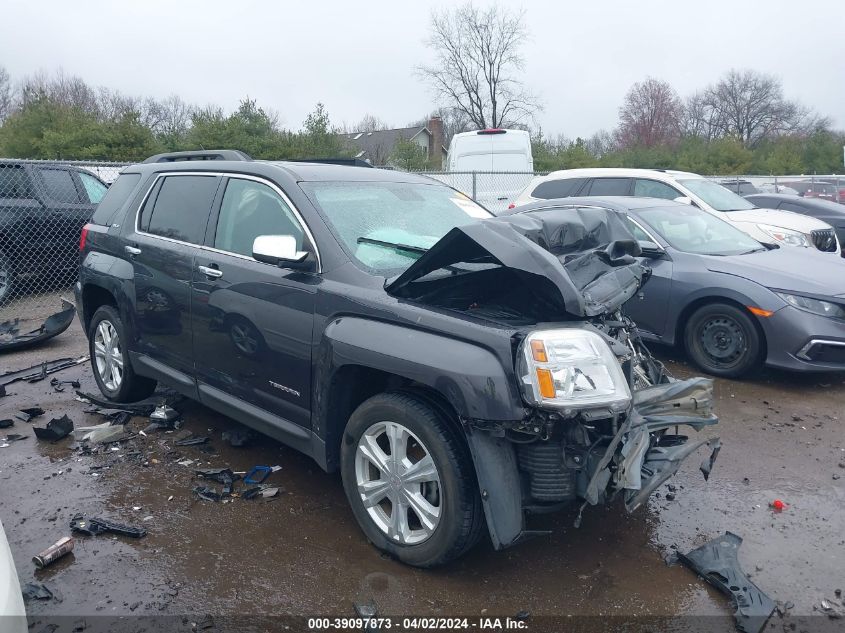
[{"x": 718, "y": 563}]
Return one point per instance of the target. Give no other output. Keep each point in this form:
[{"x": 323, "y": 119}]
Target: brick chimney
[{"x": 435, "y": 142}]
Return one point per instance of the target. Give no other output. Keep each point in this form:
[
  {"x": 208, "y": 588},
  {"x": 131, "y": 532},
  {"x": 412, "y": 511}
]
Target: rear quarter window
[
  {"x": 59, "y": 186},
  {"x": 552, "y": 189},
  {"x": 115, "y": 198}
]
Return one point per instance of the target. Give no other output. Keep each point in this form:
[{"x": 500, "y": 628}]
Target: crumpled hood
[
  {"x": 581, "y": 261},
  {"x": 803, "y": 270}
]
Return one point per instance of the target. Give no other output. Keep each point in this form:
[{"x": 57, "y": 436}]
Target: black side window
[
  {"x": 181, "y": 208},
  {"x": 14, "y": 182},
  {"x": 788, "y": 206},
  {"x": 610, "y": 187},
  {"x": 59, "y": 186},
  {"x": 552, "y": 189},
  {"x": 115, "y": 198}
]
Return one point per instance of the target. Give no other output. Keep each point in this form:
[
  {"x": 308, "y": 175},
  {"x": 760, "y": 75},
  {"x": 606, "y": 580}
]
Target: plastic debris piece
[
  {"x": 97, "y": 525},
  {"x": 368, "y": 611},
  {"x": 5, "y": 424},
  {"x": 209, "y": 494},
  {"x": 257, "y": 474},
  {"x": 267, "y": 493},
  {"x": 164, "y": 414},
  {"x": 36, "y": 591},
  {"x": 191, "y": 441},
  {"x": 221, "y": 475},
  {"x": 56, "y": 429},
  {"x": 54, "y": 552},
  {"x": 53, "y": 325},
  {"x": 32, "y": 412},
  {"x": 36, "y": 372},
  {"x": 717, "y": 562},
  {"x": 101, "y": 433},
  {"x": 777, "y": 505},
  {"x": 14, "y": 437}
]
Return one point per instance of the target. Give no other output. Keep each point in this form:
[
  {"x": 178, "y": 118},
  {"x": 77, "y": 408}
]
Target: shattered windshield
[{"x": 386, "y": 226}]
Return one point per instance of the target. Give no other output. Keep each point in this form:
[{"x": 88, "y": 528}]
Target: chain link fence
[
  {"x": 825, "y": 187},
  {"x": 43, "y": 207}
]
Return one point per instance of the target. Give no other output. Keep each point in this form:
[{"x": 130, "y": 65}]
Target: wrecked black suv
[{"x": 458, "y": 369}]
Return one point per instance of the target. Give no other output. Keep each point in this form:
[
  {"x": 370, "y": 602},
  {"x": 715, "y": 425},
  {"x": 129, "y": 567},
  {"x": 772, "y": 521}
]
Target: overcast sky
[{"x": 358, "y": 57}]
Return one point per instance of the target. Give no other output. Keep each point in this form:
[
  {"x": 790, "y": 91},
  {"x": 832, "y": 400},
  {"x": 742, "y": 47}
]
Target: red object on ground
[{"x": 778, "y": 505}]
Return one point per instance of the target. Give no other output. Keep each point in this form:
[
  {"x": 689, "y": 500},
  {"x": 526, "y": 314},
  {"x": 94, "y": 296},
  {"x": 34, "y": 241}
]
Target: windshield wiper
[
  {"x": 401, "y": 247},
  {"x": 755, "y": 250}
]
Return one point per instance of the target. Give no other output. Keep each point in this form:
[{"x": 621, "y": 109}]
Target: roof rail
[
  {"x": 211, "y": 154},
  {"x": 349, "y": 162}
]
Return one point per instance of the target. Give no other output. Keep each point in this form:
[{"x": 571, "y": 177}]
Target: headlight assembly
[
  {"x": 816, "y": 306},
  {"x": 785, "y": 236},
  {"x": 571, "y": 369}
]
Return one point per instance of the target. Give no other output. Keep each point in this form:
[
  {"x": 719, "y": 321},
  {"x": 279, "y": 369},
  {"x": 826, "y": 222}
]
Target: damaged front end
[{"x": 602, "y": 416}]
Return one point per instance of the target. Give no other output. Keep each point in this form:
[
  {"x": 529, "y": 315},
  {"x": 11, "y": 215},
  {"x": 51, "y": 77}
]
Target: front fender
[{"x": 471, "y": 378}]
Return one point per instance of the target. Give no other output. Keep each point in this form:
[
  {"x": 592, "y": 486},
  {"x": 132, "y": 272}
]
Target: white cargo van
[{"x": 502, "y": 162}]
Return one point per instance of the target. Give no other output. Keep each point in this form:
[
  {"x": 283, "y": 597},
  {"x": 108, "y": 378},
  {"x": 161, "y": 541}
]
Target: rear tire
[
  {"x": 110, "y": 359},
  {"x": 423, "y": 521},
  {"x": 723, "y": 340}
]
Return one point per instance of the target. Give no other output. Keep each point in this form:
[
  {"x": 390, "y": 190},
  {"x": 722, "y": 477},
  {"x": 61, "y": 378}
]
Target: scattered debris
[
  {"x": 238, "y": 437},
  {"x": 56, "y": 429},
  {"x": 11, "y": 437},
  {"x": 717, "y": 562},
  {"x": 101, "y": 433},
  {"x": 36, "y": 591},
  {"x": 522, "y": 616},
  {"x": 40, "y": 371},
  {"x": 777, "y": 505},
  {"x": 141, "y": 407},
  {"x": 221, "y": 475},
  {"x": 164, "y": 417},
  {"x": 58, "y": 549},
  {"x": 58, "y": 385},
  {"x": 209, "y": 494},
  {"x": 55, "y": 324},
  {"x": 31, "y": 412},
  {"x": 367, "y": 611},
  {"x": 5, "y": 424},
  {"x": 97, "y": 525}
]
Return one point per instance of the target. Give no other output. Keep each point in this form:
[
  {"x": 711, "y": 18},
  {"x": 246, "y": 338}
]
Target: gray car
[{"x": 730, "y": 301}]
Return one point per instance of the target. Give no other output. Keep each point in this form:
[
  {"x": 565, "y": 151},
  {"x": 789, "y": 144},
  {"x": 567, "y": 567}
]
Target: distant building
[{"x": 377, "y": 146}]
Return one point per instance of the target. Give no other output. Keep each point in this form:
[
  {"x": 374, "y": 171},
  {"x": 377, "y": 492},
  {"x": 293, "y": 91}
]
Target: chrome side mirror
[{"x": 276, "y": 249}]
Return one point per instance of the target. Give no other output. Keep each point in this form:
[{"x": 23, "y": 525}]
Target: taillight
[
  {"x": 512, "y": 206},
  {"x": 83, "y": 237}
]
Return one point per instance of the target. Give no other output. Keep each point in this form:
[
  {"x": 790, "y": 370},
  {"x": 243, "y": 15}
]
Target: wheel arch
[{"x": 693, "y": 306}]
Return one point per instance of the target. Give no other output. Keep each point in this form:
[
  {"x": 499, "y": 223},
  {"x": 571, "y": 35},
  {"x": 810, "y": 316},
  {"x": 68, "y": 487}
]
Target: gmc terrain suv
[
  {"x": 458, "y": 369},
  {"x": 43, "y": 208}
]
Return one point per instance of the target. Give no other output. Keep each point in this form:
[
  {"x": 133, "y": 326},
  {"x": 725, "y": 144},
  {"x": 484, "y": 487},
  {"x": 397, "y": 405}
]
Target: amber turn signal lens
[
  {"x": 538, "y": 351},
  {"x": 546, "y": 382},
  {"x": 760, "y": 312}
]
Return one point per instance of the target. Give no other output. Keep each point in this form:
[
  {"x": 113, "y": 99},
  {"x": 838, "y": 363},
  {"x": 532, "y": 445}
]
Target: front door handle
[
  {"x": 211, "y": 273},
  {"x": 132, "y": 250}
]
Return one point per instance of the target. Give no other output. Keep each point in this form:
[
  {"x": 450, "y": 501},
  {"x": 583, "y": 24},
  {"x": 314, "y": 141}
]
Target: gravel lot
[{"x": 301, "y": 554}]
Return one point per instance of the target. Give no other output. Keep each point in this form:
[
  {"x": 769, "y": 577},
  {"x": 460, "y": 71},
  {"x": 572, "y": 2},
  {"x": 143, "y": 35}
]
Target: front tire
[
  {"x": 110, "y": 359},
  {"x": 410, "y": 480},
  {"x": 723, "y": 340}
]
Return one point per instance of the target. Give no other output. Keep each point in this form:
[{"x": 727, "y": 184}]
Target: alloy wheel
[
  {"x": 108, "y": 357},
  {"x": 398, "y": 482}
]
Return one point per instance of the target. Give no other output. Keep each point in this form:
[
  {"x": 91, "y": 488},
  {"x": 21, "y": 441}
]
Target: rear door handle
[
  {"x": 211, "y": 273},
  {"x": 131, "y": 250}
]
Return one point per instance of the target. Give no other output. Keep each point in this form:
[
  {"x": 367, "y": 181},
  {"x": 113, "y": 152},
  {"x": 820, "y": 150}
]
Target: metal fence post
[{"x": 474, "y": 186}]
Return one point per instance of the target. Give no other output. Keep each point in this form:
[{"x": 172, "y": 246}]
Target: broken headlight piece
[{"x": 571, "y": 370}]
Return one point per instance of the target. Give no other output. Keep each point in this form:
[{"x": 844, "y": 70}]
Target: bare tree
[
  {"x": 478, "y": 64},
  {"x": 370, "y": 123},
  {"x": 650, "y": 115},
  {"x": 169, "y": 118},
  {"x": 66, "y": 90},
  {"x": 698, "y": 119},
  {"x": 750, "y": 106},
  {"x": 6, "y": 94},
  {"x": 601, "y": 143}
]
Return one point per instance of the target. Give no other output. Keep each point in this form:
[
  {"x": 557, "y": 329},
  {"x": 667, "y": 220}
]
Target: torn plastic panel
[
  {"x": 55, "y": 324},
  {"x": 718, "y": 563},
  {"x": 559, "y": 264}
]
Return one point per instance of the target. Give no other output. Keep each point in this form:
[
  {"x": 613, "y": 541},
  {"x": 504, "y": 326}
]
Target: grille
[
  {"x": 548, "y": 477},
  {"x": 827, "y": 353},
  {"x": 825, "y": 240}
]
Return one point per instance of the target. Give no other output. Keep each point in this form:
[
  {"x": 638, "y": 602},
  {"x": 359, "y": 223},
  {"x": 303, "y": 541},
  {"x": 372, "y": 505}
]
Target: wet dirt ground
[{"x": 302, "y": 554}]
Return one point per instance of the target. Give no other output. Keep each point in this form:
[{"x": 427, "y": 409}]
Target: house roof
[{"x": 379, "y": 143}]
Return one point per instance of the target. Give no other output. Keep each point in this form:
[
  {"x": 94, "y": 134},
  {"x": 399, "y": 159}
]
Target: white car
[
  {"x": 765, "y": 225},
  {"x": 12, "y": 613}
]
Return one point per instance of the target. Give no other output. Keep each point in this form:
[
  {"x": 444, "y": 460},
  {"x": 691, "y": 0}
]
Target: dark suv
[
  {"x": 43, "y": 207},
  {"x": 457, "y": 369}
]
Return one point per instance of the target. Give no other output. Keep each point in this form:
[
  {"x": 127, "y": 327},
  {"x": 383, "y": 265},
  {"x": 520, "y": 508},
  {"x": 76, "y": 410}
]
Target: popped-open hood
[
  {"x": 578, "y": 261},
  {"x": 778, "y": 217}
]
